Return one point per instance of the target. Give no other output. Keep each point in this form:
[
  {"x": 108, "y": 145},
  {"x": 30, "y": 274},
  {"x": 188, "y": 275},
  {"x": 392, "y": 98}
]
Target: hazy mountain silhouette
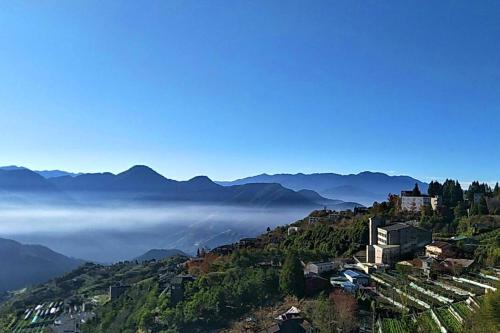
[
  {"x": 43, "y": 173},
  {"x": 365, "y": 187},
  {"x": 24, "y": 180},
  {"x": 141, "y": 183},
  {"x": 23, "y": 265}
]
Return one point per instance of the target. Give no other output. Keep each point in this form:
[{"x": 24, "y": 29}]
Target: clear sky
[{"x": 235, "y": 88}]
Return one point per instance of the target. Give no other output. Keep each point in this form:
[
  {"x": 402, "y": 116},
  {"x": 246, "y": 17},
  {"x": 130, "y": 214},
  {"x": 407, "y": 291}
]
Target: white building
[
  {"x": 321, "y": 267},
  {"x": 414, "y": 203},
  {"x": 414, "y": 200},
  {"x": 292, "y": 230}
]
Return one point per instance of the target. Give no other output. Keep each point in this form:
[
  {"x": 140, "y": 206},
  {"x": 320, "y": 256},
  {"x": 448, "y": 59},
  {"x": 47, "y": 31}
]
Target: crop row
[
  {"x": 393, "y": 326},
  {"x": 449, "y": 321},
  {"x": 427, "y": 324}
]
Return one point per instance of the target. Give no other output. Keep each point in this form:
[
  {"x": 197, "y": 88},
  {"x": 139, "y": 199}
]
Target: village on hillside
[{"x": 378, "y": 269}]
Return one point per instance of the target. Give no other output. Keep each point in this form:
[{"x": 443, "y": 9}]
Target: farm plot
[
  {"x": 439, "y": 290},
  {"x": 426, "y": 324},
  {"x": 463, "y": 309},
  {"x": 389, "y": 325},
  {"x": 449, "y": 321},
  {"x": 464, "y": 286}
]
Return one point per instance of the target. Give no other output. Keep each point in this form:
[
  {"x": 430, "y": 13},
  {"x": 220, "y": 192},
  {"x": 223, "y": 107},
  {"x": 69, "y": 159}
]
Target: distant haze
[{"x": 121, "y": 232}]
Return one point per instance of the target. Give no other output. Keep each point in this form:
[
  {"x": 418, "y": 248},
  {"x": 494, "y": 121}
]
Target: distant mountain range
[
  {"x": 22, "y": 265},
  {"x": 158, "y": 254},
  {"x": 365, "y": 187},
  {"x": 141, "y": 183},
  {"x": 43, "y": 173}
]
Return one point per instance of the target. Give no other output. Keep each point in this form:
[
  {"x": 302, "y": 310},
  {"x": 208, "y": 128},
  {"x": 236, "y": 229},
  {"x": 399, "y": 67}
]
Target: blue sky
[{"x": 236, "y": 88}]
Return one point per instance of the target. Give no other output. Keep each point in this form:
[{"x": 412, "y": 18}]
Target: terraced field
[
  {"x": 449, "y": 321},
  {"x": 426, "y": 324},
  {"x": 463, "y": 309},
  {"x": 393, "y": 326}
]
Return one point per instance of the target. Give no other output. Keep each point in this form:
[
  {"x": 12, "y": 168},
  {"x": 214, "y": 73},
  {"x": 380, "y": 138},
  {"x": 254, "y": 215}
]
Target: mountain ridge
[
  {"x": 30, "y": 264},
  {"x": 142, "y": 183},
  {"x": 364, "y": 187}
]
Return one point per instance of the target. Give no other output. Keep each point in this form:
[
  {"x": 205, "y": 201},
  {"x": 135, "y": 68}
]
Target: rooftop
[
  {"x": 354, "y": 274},
  {"x": 439, "y": 244},
  {"x": 395, "y": 226},
  {"x": 458, "y": 262},
  {"x": 386, "y": 246}
]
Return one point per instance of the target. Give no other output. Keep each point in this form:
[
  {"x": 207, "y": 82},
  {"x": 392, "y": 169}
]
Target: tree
[
  {"x": 482, "y": 207},
  {"x": 345, "y": 310},
  {"x": 322, "y": 315},
  {"x": 435, "y": 188},
  {"x": 460, "y": 210},
  {"x": 416, "y": 191},
  {"x": 452, "y": 193},
  {"x": 496, "y": 190},
  {"x": 292, "y": 280}
]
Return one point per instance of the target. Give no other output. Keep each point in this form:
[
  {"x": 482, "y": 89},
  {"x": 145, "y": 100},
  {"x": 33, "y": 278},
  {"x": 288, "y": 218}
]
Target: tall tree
[
  {"x": 452, "y": 193},
  {"x": 435, "y": 188},
  {"x": 482, "y": 207},
  {"x": 416, "y": 191},
  {"x": 292, "y": 280}
]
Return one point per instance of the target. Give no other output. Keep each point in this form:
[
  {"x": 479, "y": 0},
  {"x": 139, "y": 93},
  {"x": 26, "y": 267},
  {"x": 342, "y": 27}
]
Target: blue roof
[
  {"x": 349, "y": 286},
  {"x": 354, "y": 274}
]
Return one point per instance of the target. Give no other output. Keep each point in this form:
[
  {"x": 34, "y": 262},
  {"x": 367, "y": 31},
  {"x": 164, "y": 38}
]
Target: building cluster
[
  {"x": 331, "y": 216},
  {"x": 440, "y": 257},
  {"x": 343, "y": 273},
  {"x": 244, "y": 243}
]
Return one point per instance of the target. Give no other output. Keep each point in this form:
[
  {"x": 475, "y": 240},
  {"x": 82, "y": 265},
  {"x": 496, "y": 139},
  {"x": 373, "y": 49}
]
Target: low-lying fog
[{"x": 121, "y": 232}]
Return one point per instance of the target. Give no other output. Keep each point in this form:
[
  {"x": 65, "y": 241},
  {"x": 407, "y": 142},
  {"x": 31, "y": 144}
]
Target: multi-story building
[
  {"x": 388, "y": 243},
  {"x": 414, "y": 200}
]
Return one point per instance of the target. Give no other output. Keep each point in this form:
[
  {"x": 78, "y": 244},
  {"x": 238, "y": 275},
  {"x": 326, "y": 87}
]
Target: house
[
  {"x": 291, "y": 321},
  {"x": 314, "y": 219},
  {"x": 247, "y": 242},
  {"x": 422, "y": 264},
  {"x": 223, "y": 249},
  {"x": 321, "y": 267},
  {"x": 292, "y": 230},
  {"x": 356, "y": 277},
  {"x": 455, "y": 266},
  {"x": 439, "y": 250}
]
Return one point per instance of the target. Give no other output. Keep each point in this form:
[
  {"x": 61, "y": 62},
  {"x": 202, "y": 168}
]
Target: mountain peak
[
  {"x": 200, "y": 180},
  {"x": 139, "y": 168}
]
